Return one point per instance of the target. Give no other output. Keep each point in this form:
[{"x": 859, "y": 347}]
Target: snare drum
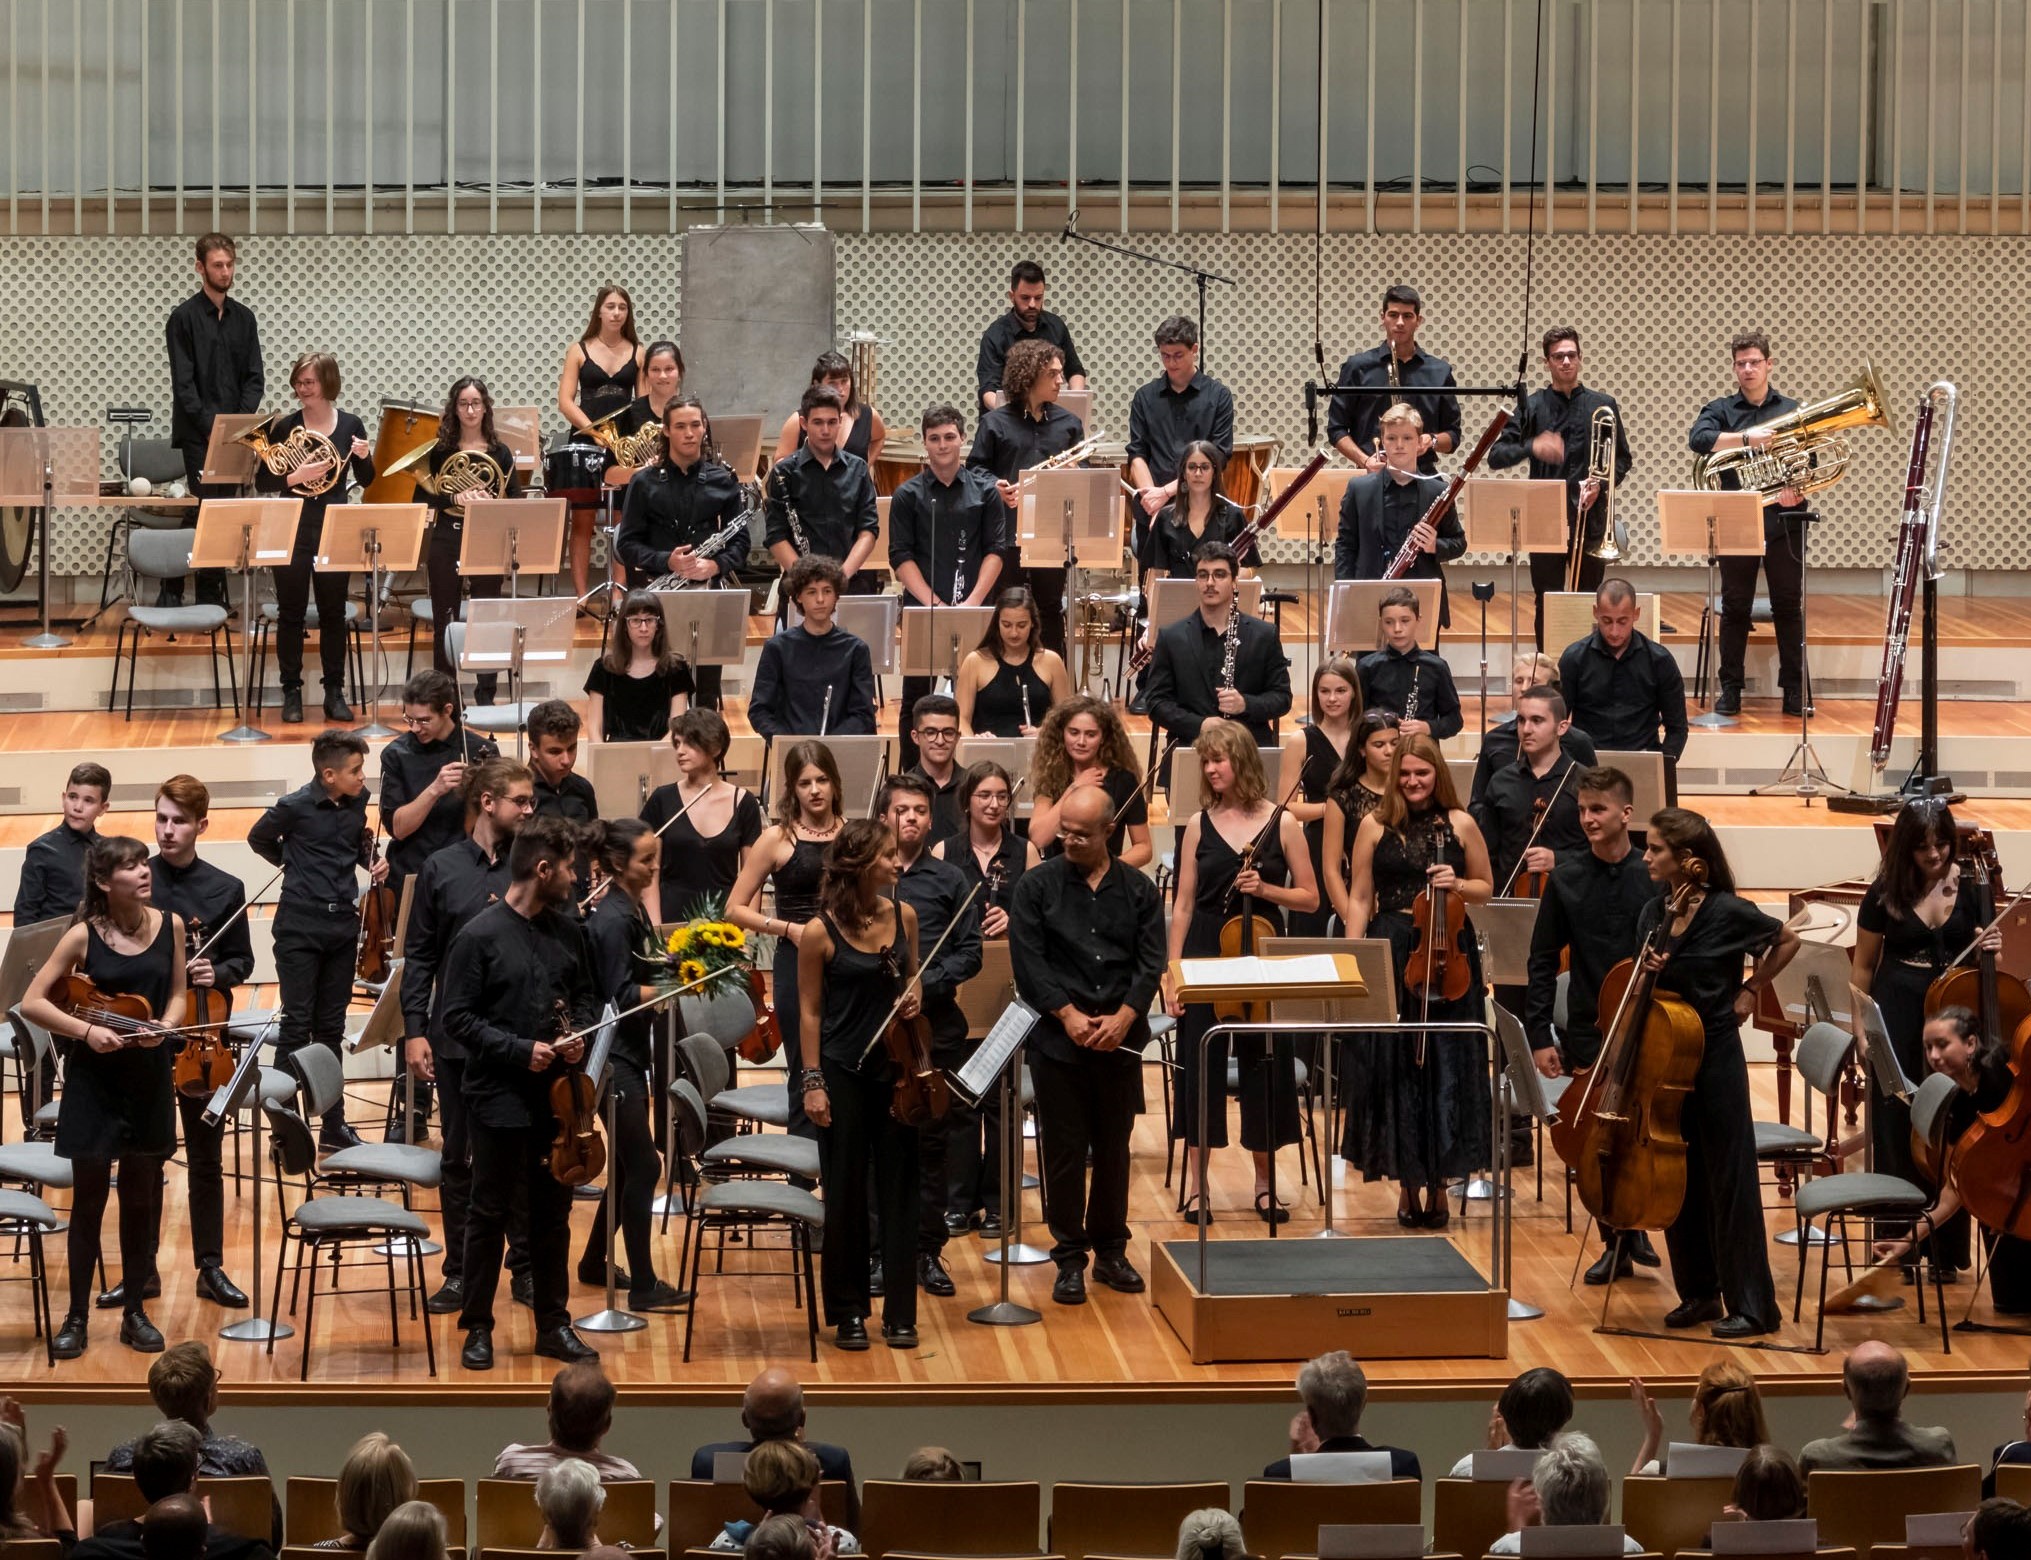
[
  {"x": 573, "y": 471},
  {"x": 405, "y": 428},
  {"x": 1241, "y": 477}
]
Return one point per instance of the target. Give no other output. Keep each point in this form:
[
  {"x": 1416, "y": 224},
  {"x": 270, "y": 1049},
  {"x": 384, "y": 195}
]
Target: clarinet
[
  {"x": 1410, "y": 703},
  {"x": 1232, "y": 650},
  {"x": 1023, "y": 688},
  {"x": 790, "y": 512},
  {"x": 959, "y": 571},
  {"x": 825, "y": 711}
]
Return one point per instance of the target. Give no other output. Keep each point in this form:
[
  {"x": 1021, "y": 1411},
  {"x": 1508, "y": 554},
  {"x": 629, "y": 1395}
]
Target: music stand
[
  {"x": 739, "y": 438},
  {"x": 375, "y": 540},
  {"x": 39, "y": 467},
  {"x": 243, "y": 534},
  {"x": 710, "y": 626},
  {"x": 1503, "y": 927},
  {"x": 1711, "y": 526},
  {"x": 936, "y": 639},
  {"x": 622, "y": 774},
  {"x": 1354, "y": 611},
  {"x": 521, "y": 429},
  {"x": 1172, "y": 601},
  {"x": 228, "y": 462},
  {"x": 1523, "y": 1092},
  {"x": 1504, "y": 516},
  {"x": 872, "y": 620},
  {"x": 512, "y": 635},
  {"x": 1647, "y": 778},
  {"x": 1569, "y": 616},
  {"x": 610, "y": 1318},
  {"x": 230, "y": 1097},
  {"x": 1069, "y": 519},
  {"x": 1078, "y": 402},
  {"x": 861, "y": 761},
  {"x": 513, "y": 537}
]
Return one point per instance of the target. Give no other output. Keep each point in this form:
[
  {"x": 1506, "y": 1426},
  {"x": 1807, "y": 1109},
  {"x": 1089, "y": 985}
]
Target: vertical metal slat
[
  {"x": 1177, "y": 77},
  {"x": 867, "y": 113},
  {"x": 1826, "y": 118},
  {"x": 14, "y": 128},
  {"x": 818, "y": 110},
  {"x": 1593, "y": 19},
  {"x": 147, "y": 54},
  {"x": 366, "y": 111},
  {"x": 578, "y": 126},
  {"x": 1368, "y": 107},
  {"x": 1125, "y": 60},
  {"x": 1931, "y": 108},
  {"x": 451, "y": 112},
  {"x": 176, "y": 59},
  {"x": 1896, "y": 118},
  {"x": 917, "y": 121},
  {"x": 1790, "y": 112},
  {"x": 78, "y": 119},
  {"x": 1226, "y": 111},
  {"x": 768, "y": 110},
  {"x": 1671, "y": 174},
  {"x": 627, "y": 63},
  {"x": 676, "y": 16},
  {"x": 1995, "y": 116},
  {"x": 2024, "y": 139},
  {"x": 1276, "y": 115},
  {"x": 1714, "y": 117},
  {"x": 969, "y": 116},
  {"x": 1417, "y": 119},
  {"x": 409, "y": 122},
  {"x": 1460, "y": 129},
  {"x": 1635, "y": 111},
  {"x": 1022, "y": 68},
  {"x": 1071, "y": 114},
  {"x": 1961, "y": 218},
  {"x": 1508, "y": 98},
  {"x": 494, "y": 114},
  {"x": 1551, "y": 97},
  {"x": 1750, "y": 182},
  {"x": 330, "y": 112},
  {"x": 719, "y": 115},
  {"x": 113, "y": 119}
]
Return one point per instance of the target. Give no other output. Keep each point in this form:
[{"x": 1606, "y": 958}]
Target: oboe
[
  {"x": 1410, "y": 702},
  {"x": 1232, "y": 650},
  {"x": 959, "y": 572}
]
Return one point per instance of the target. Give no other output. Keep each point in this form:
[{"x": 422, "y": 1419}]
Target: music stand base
[
  {"x": 1712, "y": 720},
  {"x": 1479, "y": 1189},
  {"x": 1021, "y": 1254},
  {"x": 1004, "y": 1313},
  {"x": 246, "y": 734},
  {"x": 1814, "y": 1236},
  {"x": 256, "y": 1329},
  {"x": 45, "y": 642},
  {"x": 401, "y": 1248},
  {"x": 374, "y": 729},
  {"x": 1523, "y": 1310},
  {"x": 1328, "y": 1233},
  {"x": 1871, "y": 1305},
  {"x": 610, "y": 1321}
]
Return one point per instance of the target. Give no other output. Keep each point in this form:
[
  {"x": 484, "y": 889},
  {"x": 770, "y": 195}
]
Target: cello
[{"x": 1623, "y": 1138}]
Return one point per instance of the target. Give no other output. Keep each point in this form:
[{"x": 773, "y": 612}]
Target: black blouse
[
  {"x": 694, "y": 866},
  {"x": 1169, "y": 546},
  {"x": 352, "y": 469},
  {"x": 1707, "y": 968},
  {"x": 1131, "y": 810},
  {"x": 637, "y": 709},
  {"x": 1908, "y": 940}
]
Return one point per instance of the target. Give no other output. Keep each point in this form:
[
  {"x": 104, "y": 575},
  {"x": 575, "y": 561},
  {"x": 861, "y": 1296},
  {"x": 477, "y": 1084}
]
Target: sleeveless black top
[
  {"x": 1004, "y": 868},
  {"x": 998, "y": 706},
  {"x": 601, "y": 394},
  {"x": 123, "y": 1102},
  {"x": 693, "y": 865},
  {"x": 1219, "y": 863},
  {"x": 1321, "y": 759},
  {"x": 858, "y": 994},
  {"x": 797, "y": 880}
]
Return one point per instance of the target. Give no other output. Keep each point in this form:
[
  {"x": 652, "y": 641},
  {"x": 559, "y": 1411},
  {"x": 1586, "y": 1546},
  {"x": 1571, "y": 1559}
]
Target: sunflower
[
  {"x": 690, "y": 970},
  {"x": 732, "y": 936},
  {"x": 680, "y": 941},
  {"x": 709, "y": 934}
]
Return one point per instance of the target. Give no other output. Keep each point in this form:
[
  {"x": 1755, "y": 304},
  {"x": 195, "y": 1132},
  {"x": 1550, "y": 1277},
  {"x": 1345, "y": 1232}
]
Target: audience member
[
  {"x": 164, "y": 1463},
  {"x": 17, "y": 1519},
  {"x": 1768, "y": 1487},
  {"x": 376, "y": 1478},
  {"x": 570, "y": 1497},
  {"x": 1877, "y": 1380},
  {"x": 174, "y": 1529},
  {"x": 185, "y": 1385},
  {"x": 1997, "y": 1530},
  {"x": 2017, "y": 1451},
  {"x": 414, "y": 1530},
  {"x": 932, "y": 1465},
  {"x": 1532, "y": 1409},
  {"x": 1726, "y": 1410},
  {"x": 581, "y": 1414},
  {"x": 1211, "y": 1534},
  {"x": 781, "y": 1478},
  {"x": 1569, "y": 1488},
  {"x": 1335, "y": 1390},
  {"x": 779, "y": 1538},
  {"x": 772, "y": 1409}
]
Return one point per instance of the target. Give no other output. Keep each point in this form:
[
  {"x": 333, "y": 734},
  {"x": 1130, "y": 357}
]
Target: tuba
[
  {"x": 303, "y": 447},
  {"x": 1806, "y": 450},
  {"x": 464, "y": 471}
]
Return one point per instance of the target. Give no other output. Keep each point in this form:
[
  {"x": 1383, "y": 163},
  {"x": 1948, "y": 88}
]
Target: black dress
[
  {"x": 796, "y": 881},
  {"x": 998, "y": 706},
  {"x": 637, "y": 709},
  {"x": 1003, "y": 871},
  {"x": 448, "y": 588},
  {"x": 601, "y": 394},
  {"x": 1425, "y": 1125},
  {"x": 1321, "y": 759},
  {"x": 1219, "y": 863},
  {"x": 122, "y": 1102},
  {"x": 1131, "y": 810},
  {"x": 694, "y": 866},
  {"x": 1169, "y": 544}
]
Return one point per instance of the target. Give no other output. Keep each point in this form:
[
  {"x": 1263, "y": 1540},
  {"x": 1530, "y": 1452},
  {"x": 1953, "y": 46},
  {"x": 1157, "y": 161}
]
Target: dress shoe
[
  {"x": 213, "y": 1285},
  {"x": 1741, "y": 1327},
  {"x": 1600, "y": 1272},
  {"x": 851, "y": 1335},
  {"x": 338, "y": 1135},
  {"x": 450, "y": 1297},
  {"x": 875, "y": 1285},
  {"x": 1640, "y": 1251},
  {"x": 663, "y": 1297},
  {"x": 594, "y": 1274},
  {"x": 522, "y": 1290},
  {"x": 115, "y": 1299},
  {"x": 1270, "y": 1213},
  {"x": 561, "y": 1343},
  {"x": 1070, "y": 1289},
  {"x": 1729, "y": 701},
  {"x": 899, "y": 1335},
  {"x": 990, "y": 1225},
  {"x": 335, "y": 707},
  {"x": 292, "y": 706},
  {"x": 140, "y": 1334},
  {"x": 69, "y": 1342},
  {"x": 1117, "y": 1272},
  {"x": 1692, "y": 1312},
  {"x": 1793, "y": 704},
  {"x": 957, "y": 1223},
  {"x": 932, "y": 1276},
  {"x": 478, "y": 1353}
]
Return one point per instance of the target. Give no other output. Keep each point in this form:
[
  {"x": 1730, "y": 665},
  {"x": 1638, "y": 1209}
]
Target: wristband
[{"x": 812, "y": 1079}]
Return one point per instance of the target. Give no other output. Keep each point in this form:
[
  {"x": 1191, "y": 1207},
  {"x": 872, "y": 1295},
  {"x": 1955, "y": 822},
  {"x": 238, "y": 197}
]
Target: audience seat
[
  {"x": 310, "y": 1509},
  {"x": 506, "y": 1518},
  {"x": 66, "y": 1491},
  {"x": 2013, "y": 1482},
  {"x": 33, "y": 1549},
  {"x": 699, "y": 1509},
  {"x": 1469, "y": 1514},
  {"x": 563, "y": 1554},
  {"x": 245, "y": 1506},
  {"x": 1668, "y": 1515},
  {"x": 1125, "y": 1519},
  {"x": 1806, "y": 1554},
  {"x": 1283, "y": 1517},
  {"x": 1858, "y": 1510},
  {"x": 950, "y": 1519}
]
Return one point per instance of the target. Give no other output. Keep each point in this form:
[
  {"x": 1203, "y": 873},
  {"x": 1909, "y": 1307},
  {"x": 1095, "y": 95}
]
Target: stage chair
[
  {"x": 34, "y": 1549},
  {"x": 506, "y": 1518},
  {"x": 754, "y": 1104},
  {"x": 38, "y": 1054},
  {"x": 698, "y": 1509},
  {"x": 1668, "y": 1515},
  {"x": 310, "y": 1509},
  {"x": 369, "y": 1165},
  {"x": 1125, "y": 1519},
  {"x": 1854, "y": 1510},
  {"x": 26, "y": 1217},
  {"x": 1469, "y": 1514},
  {"x": 1283, "y": 1517},
  {"x": 1806, "y": 1554},
  {"x": 906, "y": 1516},
  {"x": 499, "y": 719},
  {"x": 421, "y": 614},
  {"x": 1915, "y": 1552},
  {"x": 245, "y": 1505},
  {"x": 165, "y": 555}
]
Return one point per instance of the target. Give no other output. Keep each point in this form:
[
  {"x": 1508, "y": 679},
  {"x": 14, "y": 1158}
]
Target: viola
[
  {"x": 1531, "y": 885},
  {"x": 205, "y": 1061},
  {"x": 1238, "y": 933},
  {"x": 378, "y": 909},
  {"x": 920, "y": 1093},
  {"x": 578, "y": 1151}
]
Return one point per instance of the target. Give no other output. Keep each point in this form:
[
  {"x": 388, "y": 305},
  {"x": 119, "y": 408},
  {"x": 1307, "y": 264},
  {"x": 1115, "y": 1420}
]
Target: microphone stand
[{"x": 1199, "y": 276}]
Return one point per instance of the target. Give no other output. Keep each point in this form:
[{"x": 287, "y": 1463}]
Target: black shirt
[
  {"x": 1005, "y": 332},
  {"x": 1590, "y": 906},
  {"x": 503, "y": 978},
  {"x": 1388, "y": 675},
  {"x": 1184, "y": 679},
  {"x": 834, "y": 503},
  {"x": 455, "y": 885},
  {"x": 1623, "y": 700},
  {"x": 359, "y": 469},
  {"x": 944, "y": 803},
  {"x": 795, "y": 673},
  {"x": 637, "y": 709},
  {"x": 1571, "y": 417},
  {"x": 214, "y": 366},
  {"x": 52, "y": 880},
  {"x": 934, "y": 524},
  {"x": 208, "y": 897},
  {"x": 1708, "y": 966},
  {"x": 319, "y": 840},
  {"x": 573, "y": 797},
  {"x": 1168, "y": 545},
  {"x": 668, "y": 507},
  {"x": 1162, "y": 421},
  {"x": 615, "y": 930},
  {"x": 122, "y": 1541},
  {"x": 695, "y": 866},
  {"x": 1376, "y": 513},
  {"x": 1421, "y": 376},
  {"x": 1095, "y": 949},
  {"x": 1498, "y": 750},
  {"x": 449, "y": 508},
  {"x": 1733, "y": 414},
  {"x": 1507, "y": 814},
  {"x": 935, "y": 890},
  {"x": 1009, "y": 441},
  {"x": 408, "y": 765}
]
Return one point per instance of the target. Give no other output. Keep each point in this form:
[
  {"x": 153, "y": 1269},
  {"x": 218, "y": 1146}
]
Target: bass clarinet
[{"x": 1917, "y": 549}]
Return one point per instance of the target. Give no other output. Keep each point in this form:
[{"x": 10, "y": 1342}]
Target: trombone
[{"x": 1601, "y": 472}]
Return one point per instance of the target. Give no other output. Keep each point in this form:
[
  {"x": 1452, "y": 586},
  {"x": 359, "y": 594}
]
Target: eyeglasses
[
  {"x": 1565, "y": 357},
  {"x": 418, "y": 720},
  {"x": 938, "y": 734}
]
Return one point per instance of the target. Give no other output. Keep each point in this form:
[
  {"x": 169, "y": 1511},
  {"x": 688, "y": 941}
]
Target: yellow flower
[
  {"x": 690, "y": 970},
  {"x": 734, "y": 937},
  {"x": 680, "y": 939},
  {"x": 709, "y": 935}
]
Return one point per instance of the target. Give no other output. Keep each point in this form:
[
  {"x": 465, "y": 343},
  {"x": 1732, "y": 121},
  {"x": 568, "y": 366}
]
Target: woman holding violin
[
  {"x": 1315, "y": 753},
  {"x": 1420, "y": 1111},
  {"x": 1242, "y": 865},
  {"x": 115, "y": 984},
  {"x": 1355, "y": 790},
  {"x": 1719, "y": 1259},
  {"x": 855, "y": 962}
]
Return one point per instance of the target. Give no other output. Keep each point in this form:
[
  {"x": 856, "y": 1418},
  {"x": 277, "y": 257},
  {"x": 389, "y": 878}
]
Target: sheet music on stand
[
  {"x": 599, "y": 1055},
  {"x": 985, "y": 1065},
  {"x": 1872, "y": 1034}
]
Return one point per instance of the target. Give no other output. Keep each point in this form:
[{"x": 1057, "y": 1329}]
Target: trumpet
[
  {"x": 303, "y": 447},
  {"x": 1805, "y": 450},
  {"x": 1600, "y": 471},
  {"x": 1071, "y": 457}
]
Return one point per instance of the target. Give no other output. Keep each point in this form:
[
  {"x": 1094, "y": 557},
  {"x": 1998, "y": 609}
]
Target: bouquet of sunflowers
[{"x": 706, "y": 946}]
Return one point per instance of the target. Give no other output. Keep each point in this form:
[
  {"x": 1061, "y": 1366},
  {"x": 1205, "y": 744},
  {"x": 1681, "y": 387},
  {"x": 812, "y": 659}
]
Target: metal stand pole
[
  {"x": 610, "y": 1318},
  {"x": 1804, "y": 776},
  {"x": 48, "y": 639},
  {"x": 401, "y": 1245},
  {"x": 1705, "y": 672},
  {"x": 1332, "y": 1155},
  {"x": 256, "y": 1328},
  {"x": 246, "y": 731},
  {"x": 1505, "y": 1230},
  {"x": 1006, "y": 1312},
  {"x": 373, "y": 727}
]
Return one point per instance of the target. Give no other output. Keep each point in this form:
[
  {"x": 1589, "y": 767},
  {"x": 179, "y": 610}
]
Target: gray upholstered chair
[{"x": 165, "y": 555}]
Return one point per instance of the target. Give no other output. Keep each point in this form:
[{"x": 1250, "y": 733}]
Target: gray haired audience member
[
  {"x": 1211, "y": 1534},
  {"x": 1335, "y": 1391},
  {"x": 1533, "y": 1408},
  {"x": 570, "y": 1497},
  {"x": 779, "y": 1538},
  {"x": 1877, "y": 1381},
  {"x": 1569, "y": 1488},
  {"x": 414, "y": 1530}
]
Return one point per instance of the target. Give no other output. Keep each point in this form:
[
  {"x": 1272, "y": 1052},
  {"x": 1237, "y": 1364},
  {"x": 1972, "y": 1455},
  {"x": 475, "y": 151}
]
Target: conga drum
[
  {"x": 404, "y": 429},
  {"x": 1241, "y": 477},
  {"x": 901, "y": 459}
]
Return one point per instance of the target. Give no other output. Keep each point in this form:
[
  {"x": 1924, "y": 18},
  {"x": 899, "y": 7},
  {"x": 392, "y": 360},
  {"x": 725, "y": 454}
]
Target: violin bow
[
  {"x": 1538, "y": 828},
  {"x": 1248, "y": 851},
  {"x": 917, "y": 974},
  {"x": 1170, "y": 747},
  {"x": 657, "y": 1000},
  {"x": 219, "y": 931},
  {"x": 2001, "y": 915}
]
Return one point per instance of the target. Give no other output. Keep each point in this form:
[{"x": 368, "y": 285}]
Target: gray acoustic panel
[{"x": 758, "y": 310}]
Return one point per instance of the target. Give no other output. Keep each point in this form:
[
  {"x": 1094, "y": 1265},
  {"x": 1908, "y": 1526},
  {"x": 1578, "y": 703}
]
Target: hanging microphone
[{"x": 1071, "y": 223}]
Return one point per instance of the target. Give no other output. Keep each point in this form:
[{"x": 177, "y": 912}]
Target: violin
[
  {"x": 205, "y": 1061},
  {"x": 1238, "y": 933},
  {"x": 577, "y": 1152},
  {"x": 921, "y": 1093},
  {"x": 761, "y": 1043},
  {"x": 378, "y": 908},
  {"x": 126, "y": 1013},
  {"x": 1530, "y": 885},
  {"x": 1623, "y": 1134},
  {"x": 1435, "y": 970}
]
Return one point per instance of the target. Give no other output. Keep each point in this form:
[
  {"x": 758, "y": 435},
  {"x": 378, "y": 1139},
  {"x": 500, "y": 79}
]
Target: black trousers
[
  {"x": 933, "y": 1146},
  {"x": 864, "y": 1135},
  {"x": 316, "y": 952},
  {"x": 1784, "y": 572},
  {"x": 973, "y": 1153},
  {"x": 204, "y": 1172},
  {"x": 1548, "y": 571},
  {"x": 633, "y": 1167},
  {"x": 295, "y": 583},
  {"x": 1086, "y": 1104},
  {"x": 212, "y": 584},
  {"x": 140, "y": 1224},
  {"x": 1048, "y": 586},
  {"x": 1717, "y": 1244},
  {"x": 504, "y": 1159},
  {"x": 454, "y": 1193},
  {"x": 914, "y": 688},
  {"x": 448, "y": 590}
]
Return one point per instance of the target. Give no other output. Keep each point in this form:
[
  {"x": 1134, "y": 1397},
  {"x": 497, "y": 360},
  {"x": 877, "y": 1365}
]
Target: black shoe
[
  {"x": 69, "y": 1342},
  {"x": 115, "y": 1299},
  {"x": 957, "y": 1224},
  {"x": 899, "y": 1335},
  {"x": 522, "y": 1290},
  {"x": 664, "y": 1297},
  {"x": 1637, "y": 1245},
  {"x": 1692, "y": 1312},
  {"x": 337, "y": 1136},
  {"x": 1793, "y": 704},
  {"x": 851, "y": 1335},
  {"x": 1277, "y": 1214},
  {"x": 561, "y": 1343},
  {"x": 478, "y": 1353},
  {"x": 1598, "y": 1274},
  {"x": 1193, "y": 1210},
  {"x": 1439, "y": 1214},
  {"x": 874, "y": 1277},
  {"x": 932, "y": 1276},
  {"x": 1070, "y": 1289},
  {"x": 213, "y": 1285},
  {"x": 1117, "y": 1272},
  {"x": 292, "y": 706},
  {"x": 1729, "y": 702},
  {"x": 450, "y": 1297},
  {"x": 593, "y": 1274},
  {"x": 990, "y": 1225},
  {"x": 1741, "y": 1327},
  {"x": 140, "y": 1334},
  {"x": 336, "y": 710}
]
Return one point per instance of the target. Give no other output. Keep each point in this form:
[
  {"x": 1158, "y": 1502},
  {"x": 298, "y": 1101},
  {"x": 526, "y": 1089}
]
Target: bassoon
[
  {"x": 1407, "y": 554},
  {"x": 1917, "y": 550}
]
